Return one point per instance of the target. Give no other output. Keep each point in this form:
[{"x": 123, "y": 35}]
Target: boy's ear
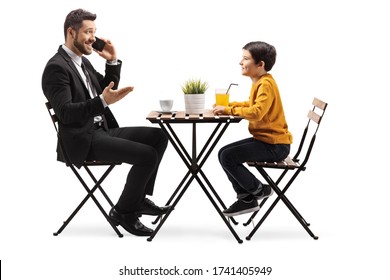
[{"x": 261, "y": 64}]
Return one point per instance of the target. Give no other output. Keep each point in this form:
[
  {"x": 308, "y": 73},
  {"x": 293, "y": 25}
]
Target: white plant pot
[{"x": 194, "y": 103}]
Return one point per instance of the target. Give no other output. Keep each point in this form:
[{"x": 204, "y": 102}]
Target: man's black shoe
[
  {"x": 130, "y": 223},
  {"x": 149, "y": 208}
]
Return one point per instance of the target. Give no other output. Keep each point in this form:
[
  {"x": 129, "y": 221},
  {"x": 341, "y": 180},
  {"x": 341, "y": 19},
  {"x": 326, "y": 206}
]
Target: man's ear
[{"x": 71, "y": 33}]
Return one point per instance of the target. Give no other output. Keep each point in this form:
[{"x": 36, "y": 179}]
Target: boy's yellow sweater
[{"x": 264, "y": 111}]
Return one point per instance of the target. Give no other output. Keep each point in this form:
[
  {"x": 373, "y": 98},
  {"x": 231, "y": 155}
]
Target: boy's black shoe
[
  {"x": 241, "y": 207},
  {"x": 265, "y": 192}
]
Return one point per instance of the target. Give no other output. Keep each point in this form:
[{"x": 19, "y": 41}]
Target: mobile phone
[{"x": 98, "y": 44}]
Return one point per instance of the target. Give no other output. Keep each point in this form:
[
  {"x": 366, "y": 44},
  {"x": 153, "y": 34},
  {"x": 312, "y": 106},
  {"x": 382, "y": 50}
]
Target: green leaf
[{"x": 194, "y": 86}]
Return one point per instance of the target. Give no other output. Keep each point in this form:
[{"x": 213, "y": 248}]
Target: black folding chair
[
  {"x": 290, "y": 164},
  {"x": 86, "y": 165}
]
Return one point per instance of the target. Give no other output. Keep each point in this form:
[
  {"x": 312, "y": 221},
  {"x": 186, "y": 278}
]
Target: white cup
[{"x": 166, "y": 105}]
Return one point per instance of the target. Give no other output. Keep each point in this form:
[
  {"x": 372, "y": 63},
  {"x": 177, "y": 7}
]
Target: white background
[{"x": 337, "y": 51}]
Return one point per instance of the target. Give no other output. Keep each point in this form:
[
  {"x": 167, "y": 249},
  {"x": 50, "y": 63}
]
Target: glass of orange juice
[{"x": 221, "y": 97}]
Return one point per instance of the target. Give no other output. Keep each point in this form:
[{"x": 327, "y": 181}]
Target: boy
[{"x": 270, "y": 140}]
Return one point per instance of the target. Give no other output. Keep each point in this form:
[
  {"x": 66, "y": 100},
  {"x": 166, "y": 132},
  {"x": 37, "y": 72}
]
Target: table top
[{"x": 181, "y": 117}]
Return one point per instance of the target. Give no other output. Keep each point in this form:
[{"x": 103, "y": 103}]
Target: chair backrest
[
  {"x": 315, "y": 116},
  {"x": 53, "y": 115},
  {"x": 55, "y": 121}
]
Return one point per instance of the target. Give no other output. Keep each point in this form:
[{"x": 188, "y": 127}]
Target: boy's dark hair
[
  {"x": 75, "y": 19},
  {"x": 261, "y": 51}
]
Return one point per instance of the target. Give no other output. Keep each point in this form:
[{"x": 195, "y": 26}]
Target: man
[{"x": 80, "y": 97}]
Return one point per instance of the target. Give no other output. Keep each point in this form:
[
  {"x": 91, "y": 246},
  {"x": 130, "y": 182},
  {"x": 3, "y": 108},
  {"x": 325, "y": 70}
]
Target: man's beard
[{"x": 81, "y": 47}]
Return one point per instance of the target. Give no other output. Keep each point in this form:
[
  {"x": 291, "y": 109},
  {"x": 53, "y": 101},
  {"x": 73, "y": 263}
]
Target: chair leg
[
  {"x": 300, "y": 219},
  {"x": 90, "y": 195},
  {"x": 71, "y": 216},
  {"x": 100, "y": 188},
  {"x": 264, "y": 200},
  {"x": 281, "y": 196}
]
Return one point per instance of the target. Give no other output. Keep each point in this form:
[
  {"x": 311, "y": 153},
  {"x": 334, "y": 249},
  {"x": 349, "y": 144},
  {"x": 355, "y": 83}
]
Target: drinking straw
[{"x": 230, "y": 86}]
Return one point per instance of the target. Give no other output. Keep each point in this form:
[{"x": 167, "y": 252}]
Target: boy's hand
[{"x": 218, "y": 110}]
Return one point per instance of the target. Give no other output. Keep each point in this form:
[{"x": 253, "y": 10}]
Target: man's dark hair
[
  {"x": 261, "y": 51},
  {"x": 75, "y": 19}
]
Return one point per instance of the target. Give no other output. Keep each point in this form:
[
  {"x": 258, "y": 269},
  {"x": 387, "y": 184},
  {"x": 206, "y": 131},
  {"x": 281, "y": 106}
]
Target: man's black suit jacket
[{"x": 65, "y": 89}]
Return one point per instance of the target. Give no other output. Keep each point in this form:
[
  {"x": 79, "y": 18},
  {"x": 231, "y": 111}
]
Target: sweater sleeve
[
  {"x": 258, "y": 105},
  {"x": 228, "y": 110}
]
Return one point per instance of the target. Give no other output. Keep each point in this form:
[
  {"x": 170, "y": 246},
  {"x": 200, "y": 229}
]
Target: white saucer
[{"x": 166, "y": 112}]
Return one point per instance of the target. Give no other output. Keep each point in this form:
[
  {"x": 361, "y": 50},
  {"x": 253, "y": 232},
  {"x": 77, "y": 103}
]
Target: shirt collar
[{"x": 72, "y": 55}]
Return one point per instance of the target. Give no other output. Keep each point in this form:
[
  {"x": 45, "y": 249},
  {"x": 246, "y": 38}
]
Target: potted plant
[{"x": 194, "y": 98}]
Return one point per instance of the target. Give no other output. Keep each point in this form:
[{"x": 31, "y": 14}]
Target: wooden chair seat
[{"x": 287, "y": 163}]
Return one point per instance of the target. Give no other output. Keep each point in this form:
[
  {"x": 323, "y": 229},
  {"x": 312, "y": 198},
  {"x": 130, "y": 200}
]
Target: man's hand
[
  {"x": 109, "y": 52},
  {"x": 111, "y": 96}
]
